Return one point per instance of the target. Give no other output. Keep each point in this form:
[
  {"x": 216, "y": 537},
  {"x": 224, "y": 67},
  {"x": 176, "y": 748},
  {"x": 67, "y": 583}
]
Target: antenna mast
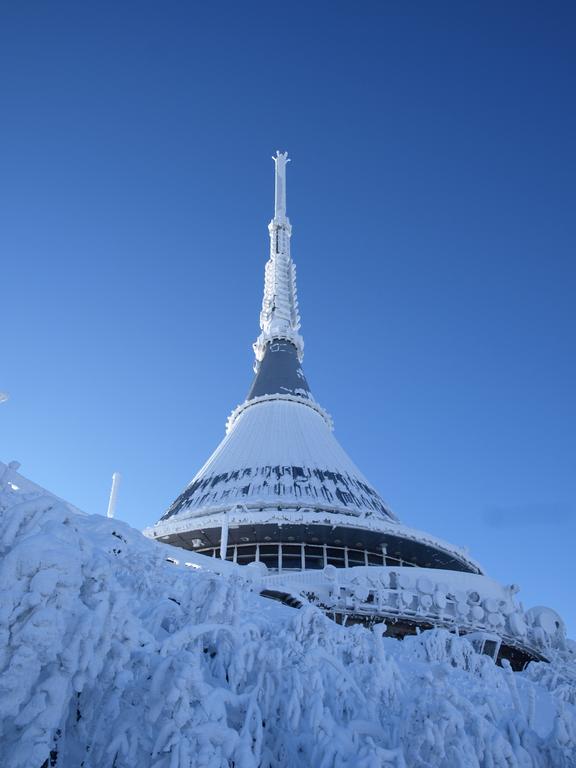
[
  {"x": 116, "y": 477},
  {"x": 279, "y": 318}
]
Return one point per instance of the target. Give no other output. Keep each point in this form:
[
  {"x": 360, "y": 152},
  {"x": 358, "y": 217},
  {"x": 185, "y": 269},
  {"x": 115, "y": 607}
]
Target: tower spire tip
[
  {"x": 282, "y": 156},
  {"x": 280, "y": 160}
]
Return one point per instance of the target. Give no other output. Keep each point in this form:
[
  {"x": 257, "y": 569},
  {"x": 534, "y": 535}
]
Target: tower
[{"x": 281, "y": 492}]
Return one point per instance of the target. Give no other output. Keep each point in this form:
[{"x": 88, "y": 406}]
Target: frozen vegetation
[{"x": 113, "y": 657}]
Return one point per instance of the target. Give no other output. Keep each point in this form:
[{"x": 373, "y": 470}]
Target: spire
[
  {"x": 280, "y": 161},
  {"x": 279, "y": 318}
]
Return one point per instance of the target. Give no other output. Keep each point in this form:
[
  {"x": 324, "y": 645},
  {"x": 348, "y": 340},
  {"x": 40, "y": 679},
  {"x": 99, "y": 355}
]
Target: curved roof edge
[
  {"x": 309, "y": 403},
  {"x": 258, "y": 514}
]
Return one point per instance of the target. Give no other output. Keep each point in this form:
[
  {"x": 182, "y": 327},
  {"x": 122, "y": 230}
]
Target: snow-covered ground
[{"x": 113, "y": 657}]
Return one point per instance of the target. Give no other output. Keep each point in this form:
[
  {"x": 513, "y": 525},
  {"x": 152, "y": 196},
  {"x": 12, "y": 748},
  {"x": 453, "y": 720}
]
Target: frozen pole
[
  {"x": 113, "y": 494},
  {"x": 224, "y": 537}
]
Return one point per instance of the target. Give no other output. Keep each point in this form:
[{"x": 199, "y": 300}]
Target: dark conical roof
[{"x": 279, "y": 372}]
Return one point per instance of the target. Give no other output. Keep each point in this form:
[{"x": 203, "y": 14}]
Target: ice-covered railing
[{"x": 451, "y": 599}]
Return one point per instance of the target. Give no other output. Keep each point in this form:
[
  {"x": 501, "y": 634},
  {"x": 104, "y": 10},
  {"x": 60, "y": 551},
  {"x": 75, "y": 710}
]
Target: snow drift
[{"x": 113, "y": 657}]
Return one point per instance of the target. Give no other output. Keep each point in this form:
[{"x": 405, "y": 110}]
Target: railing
[
  {"x": 293, "y": 557},
  {"x": 454, "y": 599}
]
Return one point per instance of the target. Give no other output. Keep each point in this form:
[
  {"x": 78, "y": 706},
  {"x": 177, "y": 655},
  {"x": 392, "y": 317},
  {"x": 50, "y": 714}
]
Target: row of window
[{"x": 299, "y": 557}]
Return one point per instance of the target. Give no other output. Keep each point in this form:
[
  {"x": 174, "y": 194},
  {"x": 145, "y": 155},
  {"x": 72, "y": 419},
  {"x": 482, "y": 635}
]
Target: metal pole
[{"x": 113, "y": 494}]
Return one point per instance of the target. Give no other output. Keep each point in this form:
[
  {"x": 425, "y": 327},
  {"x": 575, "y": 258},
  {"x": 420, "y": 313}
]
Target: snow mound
[{"x": 113, "y": 657}]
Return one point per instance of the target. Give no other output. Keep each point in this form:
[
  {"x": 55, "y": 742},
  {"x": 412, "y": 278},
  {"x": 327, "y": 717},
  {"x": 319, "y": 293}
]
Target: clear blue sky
[{"x": 432, "y": 194}]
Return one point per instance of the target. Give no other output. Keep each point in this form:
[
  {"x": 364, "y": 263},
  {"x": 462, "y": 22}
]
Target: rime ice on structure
[
  {"x": 279, "y": 319},
  {"x": 280, "y": 491}
]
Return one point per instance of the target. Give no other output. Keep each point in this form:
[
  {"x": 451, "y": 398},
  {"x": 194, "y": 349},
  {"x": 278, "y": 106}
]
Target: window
[
  {"x": 490, "y": 648},
  {"x": 356, "y": 557},
  {"x": 335, "y": 556},
  {"x": 208, "y": 552},
  {"x": 314, "y": 557},
  {"x": 269, "y": 556},
  {"x": 246, "y": 554},
  {"x": 296, "y": 557},
  {"x": 268, "y": 549},
  {"x": 291, "y": 557}
]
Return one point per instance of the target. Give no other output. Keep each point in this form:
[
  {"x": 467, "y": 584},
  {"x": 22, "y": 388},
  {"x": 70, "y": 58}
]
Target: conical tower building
[{"x": 281, "y": 491}]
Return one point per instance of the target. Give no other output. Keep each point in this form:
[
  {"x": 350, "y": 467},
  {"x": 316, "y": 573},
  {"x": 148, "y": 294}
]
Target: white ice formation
[
  {"x": 279, "y": 318},
  {"x": 117, "y": 652}
]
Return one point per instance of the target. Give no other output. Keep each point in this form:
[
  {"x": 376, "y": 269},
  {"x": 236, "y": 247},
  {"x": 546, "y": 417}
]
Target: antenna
[
  {"x": 116, "y": 477},
  {"x": 224, "y": 537}
]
